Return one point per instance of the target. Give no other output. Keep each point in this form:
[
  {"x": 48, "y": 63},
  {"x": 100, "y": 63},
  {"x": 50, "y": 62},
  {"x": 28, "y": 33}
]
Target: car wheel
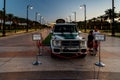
[{"x": 83, "y": 55}]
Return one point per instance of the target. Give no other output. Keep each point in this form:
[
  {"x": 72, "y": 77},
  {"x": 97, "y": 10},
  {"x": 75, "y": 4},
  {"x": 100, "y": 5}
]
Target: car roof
[{"x": 65, "y": 24}]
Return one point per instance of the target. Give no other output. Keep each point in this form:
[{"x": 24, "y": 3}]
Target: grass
[
  {"x": 46, "y": 41},
  {"x": 118, "y": 36}
]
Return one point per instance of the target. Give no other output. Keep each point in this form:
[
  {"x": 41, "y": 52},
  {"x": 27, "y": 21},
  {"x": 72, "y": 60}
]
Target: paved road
[
  {"x": 20, "y": 44},
  {"x": 17, "y": 53}
]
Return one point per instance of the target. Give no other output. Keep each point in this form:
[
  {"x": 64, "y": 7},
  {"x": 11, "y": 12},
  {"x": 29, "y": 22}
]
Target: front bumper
[
  {"x": 68, "y": 50},
  {"x": 69, "y": 47}
]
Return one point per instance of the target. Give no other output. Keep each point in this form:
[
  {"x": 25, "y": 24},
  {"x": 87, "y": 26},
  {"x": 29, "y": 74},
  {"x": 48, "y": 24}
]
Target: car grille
[{"x": 70, "y": 43}]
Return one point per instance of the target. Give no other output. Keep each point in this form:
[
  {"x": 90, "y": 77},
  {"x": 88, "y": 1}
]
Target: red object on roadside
[{"x": 38, "y": 43}]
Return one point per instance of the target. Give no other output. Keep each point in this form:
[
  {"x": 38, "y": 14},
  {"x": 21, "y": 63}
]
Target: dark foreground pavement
[{"x": 60, "y": 75}]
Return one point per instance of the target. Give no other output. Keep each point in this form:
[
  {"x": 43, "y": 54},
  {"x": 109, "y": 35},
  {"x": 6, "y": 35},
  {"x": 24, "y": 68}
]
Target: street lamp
[
  {"x": 4, "y": 11},
  {"x": 66, "y": 19},
  {"x": 41, "y": 20},
  {"x": 36, "y": 14},
  {"x": 113, "y": 27},
  {"x": 28, "y": 7},
  {"x": 84, "y": 13},
  {"x": 75, "y": 16},
  {"x": 70, "y": 18}
]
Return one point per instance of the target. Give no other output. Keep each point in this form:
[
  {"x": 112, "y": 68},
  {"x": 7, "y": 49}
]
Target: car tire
[{"x": 82, "y": 55}]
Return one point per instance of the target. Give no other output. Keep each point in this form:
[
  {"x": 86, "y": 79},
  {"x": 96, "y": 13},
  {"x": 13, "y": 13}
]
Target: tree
[
  {"x": 10, "y": 18},
  {"x": 1, "y": 18},
  {"x": 1, "y": 14},
  {"x": 119, "y": 16},
  {"x": 15, "y": 22},
  {"x": 110, "y": 15}
]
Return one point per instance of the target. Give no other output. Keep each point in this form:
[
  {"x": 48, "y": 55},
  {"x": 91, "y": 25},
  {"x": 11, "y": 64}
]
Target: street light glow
[
  {"x": 81, "y": 6},
  {"x": 28, "y": 7},
  {"x": 31, "y": 7}
]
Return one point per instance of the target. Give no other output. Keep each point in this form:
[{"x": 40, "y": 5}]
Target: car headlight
[
  {"x": 83, "y": 43},
  {"x": 56, "y": 43}
]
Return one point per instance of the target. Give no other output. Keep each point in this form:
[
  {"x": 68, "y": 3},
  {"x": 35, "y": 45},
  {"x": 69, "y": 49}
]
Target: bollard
[
  {"x": 100, "y": 64},
  {"x": 37, "y": 38},
  {"x": 99, "y": 38},
  {"x": 37, "y": 62},
  {"x": 39, "y": 45}
]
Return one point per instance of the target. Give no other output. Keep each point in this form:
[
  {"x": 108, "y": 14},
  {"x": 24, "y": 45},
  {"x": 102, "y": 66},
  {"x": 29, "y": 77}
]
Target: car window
[{"x": 65, "y": 28}]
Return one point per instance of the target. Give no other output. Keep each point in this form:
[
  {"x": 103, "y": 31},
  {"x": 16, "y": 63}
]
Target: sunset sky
[{"x": 54, "y": 9}]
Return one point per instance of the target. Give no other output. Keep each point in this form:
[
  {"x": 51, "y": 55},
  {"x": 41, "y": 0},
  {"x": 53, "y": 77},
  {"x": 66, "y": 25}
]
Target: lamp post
[
  {"x": 113, "y": 27},
  {"x": 41, "y": 20},
  {"x": 84, "y": 14},
  {"x": 4, "y": 12},
  {"x": 31, "y": 7},
  {"x": 36, "y": 14},
  {"x": 67, "y": 19},
  {"x": 75, "y": 16},
  {"x": 70, "y": 18}
]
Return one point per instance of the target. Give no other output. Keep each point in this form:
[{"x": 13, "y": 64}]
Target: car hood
[{"x": 67, "y": 36}]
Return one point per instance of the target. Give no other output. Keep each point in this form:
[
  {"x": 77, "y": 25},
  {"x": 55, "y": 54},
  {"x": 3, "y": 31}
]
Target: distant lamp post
[
  {"x": 36, "y": 14},
  {"x": 28, "y": 7},
  {"x": 41, "y": 19},
  {"x": 74, "y": 16},
  {"x": 66, "y": 19},
  {"x": 70, "y": 18},
  {"x": 4, "y": 27},
  {"x": 81, "y": 6}
]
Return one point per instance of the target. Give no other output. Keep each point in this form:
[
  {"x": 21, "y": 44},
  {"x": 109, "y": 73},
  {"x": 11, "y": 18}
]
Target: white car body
[{"x": 66, "y": 39}]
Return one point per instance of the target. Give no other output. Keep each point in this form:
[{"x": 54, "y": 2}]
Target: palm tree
[
  {"x": 1, "y": 18},
  {"x": 94, "y": 22},
  {"x": 10, "y": 18},
  {"x": 1, "y": 14},
  {"x": 109, "y": 16},
  {"x": 101, "y": 20},
  {"x": 15, "y": 22},
  {"x": 119, "y": 16}
]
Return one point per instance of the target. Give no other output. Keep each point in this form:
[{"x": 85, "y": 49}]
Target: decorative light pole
[
  {"x": 36, "y": 14},
  {"x": 75, "y": 16},
  {"x": 4, "y": 12},
  {"x": 66, "y": 19},
  {"x": 70, "y": 18},
  {"x": 40, "y": 19},
  {"x": 84, "y": 14},
  {"x": 113, "y": 26},
  {"x": 31, "y": 7}
]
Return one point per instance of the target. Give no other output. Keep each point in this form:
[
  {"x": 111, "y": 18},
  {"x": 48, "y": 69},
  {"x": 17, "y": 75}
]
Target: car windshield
[{"x": 65, "y": 28}]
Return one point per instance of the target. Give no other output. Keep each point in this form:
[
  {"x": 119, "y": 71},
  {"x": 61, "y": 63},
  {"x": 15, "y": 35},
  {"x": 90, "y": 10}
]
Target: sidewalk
[{"x": 16, "y": 33}]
